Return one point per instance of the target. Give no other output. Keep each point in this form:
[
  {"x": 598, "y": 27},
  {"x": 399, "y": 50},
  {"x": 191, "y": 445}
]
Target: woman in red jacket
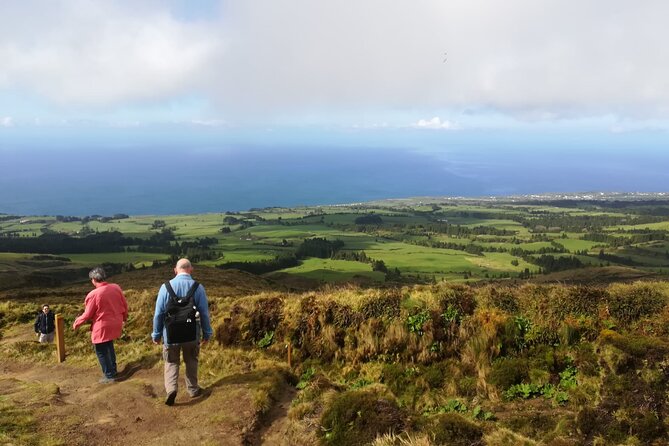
[{"x": 107, "y": 310}]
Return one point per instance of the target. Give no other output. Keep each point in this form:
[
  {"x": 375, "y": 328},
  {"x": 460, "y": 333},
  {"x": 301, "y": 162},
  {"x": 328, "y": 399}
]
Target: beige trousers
[{"x": 171, "y": 355}]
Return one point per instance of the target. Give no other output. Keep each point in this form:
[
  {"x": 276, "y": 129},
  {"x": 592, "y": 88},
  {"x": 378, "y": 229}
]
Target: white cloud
[
  {"x": 263, "y": 58},
  {"x": 526, "y": 58},
  {"x": 85, "y": 52},
  {"x": 6, "y": 121},
  {"x": 435, "y": 123}
]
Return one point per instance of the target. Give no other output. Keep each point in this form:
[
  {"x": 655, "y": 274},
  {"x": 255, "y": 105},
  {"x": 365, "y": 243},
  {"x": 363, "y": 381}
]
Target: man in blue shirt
[{"x": 181, "y": 284}]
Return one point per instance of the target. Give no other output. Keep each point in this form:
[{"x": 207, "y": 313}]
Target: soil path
[
  {"x": 69, "y": 404},
  {"x": 272, "y": 428}
]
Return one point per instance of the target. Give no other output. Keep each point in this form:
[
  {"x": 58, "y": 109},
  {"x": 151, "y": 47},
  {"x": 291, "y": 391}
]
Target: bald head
[{"x": 183, "y": 266}]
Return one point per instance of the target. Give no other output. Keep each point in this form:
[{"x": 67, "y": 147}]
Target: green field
[
  {"x": 328, "y": 270},
  {"x": 411, "y": 238},
  {"x": 136, "y": 258}
]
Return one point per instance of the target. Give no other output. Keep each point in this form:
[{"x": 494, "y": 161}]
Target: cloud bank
[
  {"x": 89, "y": 53},
  {"x": 263, "y": 58},
  {"x": 435, "y": 124}
]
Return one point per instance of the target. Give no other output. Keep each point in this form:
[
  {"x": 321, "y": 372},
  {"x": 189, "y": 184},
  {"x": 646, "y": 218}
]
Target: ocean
[{"x": 155, "y": 180}]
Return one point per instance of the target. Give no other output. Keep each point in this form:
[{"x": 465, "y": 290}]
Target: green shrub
[
  {"x": 452, "y": 315},
  {"x": 360, "y": 383},
  {"x": 453, "y": 406},
  {"x": 415, "y": 322},
  {"x": 306, "y": 377},
  {"x": 547, "y": 390},
  {"x": 523, "y": 391},
  {"x": 356, "y": 417},
  {"x": 266, "y": 340},
  {"x": 568, "y": 378},
  {"x": 479, "y": 414}
]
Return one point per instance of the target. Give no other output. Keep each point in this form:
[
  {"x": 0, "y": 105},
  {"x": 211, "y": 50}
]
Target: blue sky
[{"x": 426, "y": 74}]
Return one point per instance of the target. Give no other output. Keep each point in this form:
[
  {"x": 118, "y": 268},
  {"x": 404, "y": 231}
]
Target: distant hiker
[
  {"x": 107, "y": 310},
  {"x": 45, "y": 325},
  {"x": 178, "y": 305}
]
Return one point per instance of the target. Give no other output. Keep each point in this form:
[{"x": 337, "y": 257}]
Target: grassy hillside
[{"x": 416, "y": 364}]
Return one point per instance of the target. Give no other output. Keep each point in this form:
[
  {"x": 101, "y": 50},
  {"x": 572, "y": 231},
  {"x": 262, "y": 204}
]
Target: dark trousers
[{"x": 107, "y": 358}]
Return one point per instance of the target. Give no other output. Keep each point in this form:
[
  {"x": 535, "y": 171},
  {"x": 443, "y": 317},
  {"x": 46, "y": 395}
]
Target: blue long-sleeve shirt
[{"x": 180, "y": 284}]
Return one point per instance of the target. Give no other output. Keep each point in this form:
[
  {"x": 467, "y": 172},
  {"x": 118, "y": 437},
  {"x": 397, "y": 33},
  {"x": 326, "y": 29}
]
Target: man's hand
[
  {"x": 156, "y": 342},
  {"x": 204, "y": 341}
]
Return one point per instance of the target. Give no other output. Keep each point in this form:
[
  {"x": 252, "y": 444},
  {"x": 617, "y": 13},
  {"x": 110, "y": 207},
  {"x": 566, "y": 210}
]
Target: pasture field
[
  {"x": 529, "y": 246},
  {"x": 328, "y": 270},
  {"x": 574, "y": 244},
  {"x": 278, "y": 233},
  {"x": 407, "y": 239},
  {"x": 138, "y": 259},
  {"x": 498, "y": 262},
  {"x": 422, "y": 260},
  {"x": 243, "y": 255},
  {"x": 659, "y": 226},
  {"x": 12, "y": 256}
]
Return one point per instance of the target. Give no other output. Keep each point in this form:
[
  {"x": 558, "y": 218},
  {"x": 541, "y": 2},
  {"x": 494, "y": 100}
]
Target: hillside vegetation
[
  {"x": 396, "y": 242},
  {"x": 427, "y": 364}
]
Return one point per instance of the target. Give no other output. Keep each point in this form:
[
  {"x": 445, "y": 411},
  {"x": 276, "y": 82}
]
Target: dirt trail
[
  {"x": 132, "y": 411},
  {"x": 273, "y": 426}
]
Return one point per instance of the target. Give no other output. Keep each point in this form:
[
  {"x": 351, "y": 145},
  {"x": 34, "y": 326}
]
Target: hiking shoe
[
  {"x": 170, "y": 398},
  {"x": 106, "y": 380},
  {"x": 197, "y": 393}
]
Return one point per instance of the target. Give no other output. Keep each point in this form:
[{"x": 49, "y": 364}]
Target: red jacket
[{"x": 107, "y": 309}]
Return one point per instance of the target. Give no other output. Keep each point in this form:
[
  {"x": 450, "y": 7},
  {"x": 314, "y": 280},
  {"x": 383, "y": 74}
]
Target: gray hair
[
  {"x": 184, "y": 265},
  {"x": 98, "y": 274}
]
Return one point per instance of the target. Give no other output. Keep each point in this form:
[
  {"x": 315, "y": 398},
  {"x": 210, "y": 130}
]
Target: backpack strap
[
  {"x": 192, "y": 290},
  {"x": 189, "y": 295},
  {"x": 170, "y": 290}
]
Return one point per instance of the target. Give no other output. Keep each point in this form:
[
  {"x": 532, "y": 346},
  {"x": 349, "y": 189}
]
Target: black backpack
[{"x": 180, "y": 316}]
